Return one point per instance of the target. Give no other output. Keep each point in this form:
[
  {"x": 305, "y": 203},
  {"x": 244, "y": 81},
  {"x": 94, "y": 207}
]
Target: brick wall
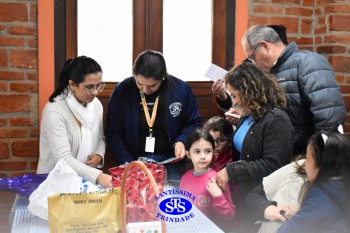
[
  {"x": 19, "y": 147},
  {"x": 318, "y": 25}
]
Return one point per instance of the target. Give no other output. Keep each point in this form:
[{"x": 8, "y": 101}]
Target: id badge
[{"x": 150, "y": 142}]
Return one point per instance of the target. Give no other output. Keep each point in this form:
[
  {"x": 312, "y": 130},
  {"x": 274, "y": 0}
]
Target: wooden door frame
[
  {"x": 46, "y": 41},
  {"x": 147, "y": 19}
]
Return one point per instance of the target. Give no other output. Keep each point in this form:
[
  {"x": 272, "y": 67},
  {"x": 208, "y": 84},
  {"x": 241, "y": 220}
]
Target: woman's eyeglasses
[
  {"x": 220, "y": 141},
  {"x": 91, "y": 88}
]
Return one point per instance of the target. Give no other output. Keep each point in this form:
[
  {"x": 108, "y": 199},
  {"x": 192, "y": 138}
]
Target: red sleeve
[{"x": 223, "y": 205}]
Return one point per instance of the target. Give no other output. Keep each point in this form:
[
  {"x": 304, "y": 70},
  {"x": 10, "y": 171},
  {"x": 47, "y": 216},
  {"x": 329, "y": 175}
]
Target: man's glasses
[
  {"x": 251, "y": 57},
  {"x": 220, "y": 141},
  {"x": 91, "y": 88}
]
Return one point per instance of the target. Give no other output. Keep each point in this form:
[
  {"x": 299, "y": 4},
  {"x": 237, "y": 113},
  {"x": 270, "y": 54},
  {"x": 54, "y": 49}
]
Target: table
[{"x": 22, "y": 221}]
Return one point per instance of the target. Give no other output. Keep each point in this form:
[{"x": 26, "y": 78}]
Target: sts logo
[{"x": 175, "y": 205}]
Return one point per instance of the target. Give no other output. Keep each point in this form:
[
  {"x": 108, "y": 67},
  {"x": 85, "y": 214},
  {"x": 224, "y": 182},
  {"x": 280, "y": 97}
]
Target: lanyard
[{"x": 150, "y": 121}]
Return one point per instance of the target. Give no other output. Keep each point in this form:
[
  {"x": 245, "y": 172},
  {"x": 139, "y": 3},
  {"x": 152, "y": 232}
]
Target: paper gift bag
[{"x": 97, "y": 212}]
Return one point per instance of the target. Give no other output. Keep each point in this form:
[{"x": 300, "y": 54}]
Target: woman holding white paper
[
  {"x": 71, "y": 124},
  {"x": 263, "y": 140}
]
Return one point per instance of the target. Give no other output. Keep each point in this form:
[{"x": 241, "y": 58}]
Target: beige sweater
[
  {"x": 60, "y": 137},
  {"x": 282, "y": 186}
]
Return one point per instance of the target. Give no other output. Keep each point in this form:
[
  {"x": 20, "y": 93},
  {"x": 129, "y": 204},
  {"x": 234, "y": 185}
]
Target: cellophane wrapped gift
[
  {"x": 25, "y": 184},
  {"x": 141, "y": 205}
]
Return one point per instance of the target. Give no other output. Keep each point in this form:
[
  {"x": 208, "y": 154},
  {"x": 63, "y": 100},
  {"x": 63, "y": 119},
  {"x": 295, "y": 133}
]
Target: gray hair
[{"x": 255, "y": 34}]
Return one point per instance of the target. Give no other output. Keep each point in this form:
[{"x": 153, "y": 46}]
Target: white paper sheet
[{"x": 215, "y": 72}]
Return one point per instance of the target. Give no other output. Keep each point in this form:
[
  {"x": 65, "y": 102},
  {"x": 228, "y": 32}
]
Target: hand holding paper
[
  {"x": 233, "y": 115},
  {"x": 219, "y": 89}
]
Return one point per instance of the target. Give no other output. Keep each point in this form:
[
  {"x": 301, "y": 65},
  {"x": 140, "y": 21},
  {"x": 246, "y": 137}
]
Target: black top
[{"x": 162, "y": 144}]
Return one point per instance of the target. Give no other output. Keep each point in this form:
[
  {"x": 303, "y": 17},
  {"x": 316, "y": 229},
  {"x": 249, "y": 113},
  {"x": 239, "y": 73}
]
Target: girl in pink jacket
[{"x": 210, "y": 199}]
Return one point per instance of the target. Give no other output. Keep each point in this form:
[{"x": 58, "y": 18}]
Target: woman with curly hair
[{"x": 263, "y": 140}]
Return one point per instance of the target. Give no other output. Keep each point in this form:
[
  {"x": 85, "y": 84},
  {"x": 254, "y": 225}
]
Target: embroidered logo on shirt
[
  {"x": 203, "y": 201},
  {"x": 175, "y": 109}
]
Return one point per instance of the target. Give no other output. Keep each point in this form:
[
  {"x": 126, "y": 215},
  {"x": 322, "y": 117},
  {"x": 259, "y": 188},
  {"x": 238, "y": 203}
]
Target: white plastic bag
[{"x": 62, "y": 179}]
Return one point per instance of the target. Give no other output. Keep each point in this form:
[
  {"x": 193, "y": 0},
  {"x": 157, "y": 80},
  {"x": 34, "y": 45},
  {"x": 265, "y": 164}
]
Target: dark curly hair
[
  {"x": 259, "y": 90},
  {"x": 220, "y": 124}
]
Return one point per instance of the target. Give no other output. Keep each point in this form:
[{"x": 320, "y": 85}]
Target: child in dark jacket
[{"x": 326, "y": 203}]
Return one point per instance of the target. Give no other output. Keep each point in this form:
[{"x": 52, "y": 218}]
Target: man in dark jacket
[{"x": 314, "y": 99}]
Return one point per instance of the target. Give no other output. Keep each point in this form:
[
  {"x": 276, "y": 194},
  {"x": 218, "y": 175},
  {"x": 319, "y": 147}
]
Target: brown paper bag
[{"x": 96, "y": 212}]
